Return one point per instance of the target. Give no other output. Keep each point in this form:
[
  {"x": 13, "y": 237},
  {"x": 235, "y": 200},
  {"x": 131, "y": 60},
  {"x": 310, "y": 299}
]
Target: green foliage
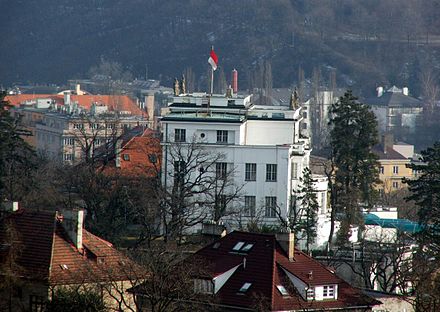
[
  {"x": 17, "y": 159},
  {"x": 426, "y": 194},
  {"x": 353, "y": 133},
  {"x": 306, "y": 221},
  {"x": 75, "y": 300}
]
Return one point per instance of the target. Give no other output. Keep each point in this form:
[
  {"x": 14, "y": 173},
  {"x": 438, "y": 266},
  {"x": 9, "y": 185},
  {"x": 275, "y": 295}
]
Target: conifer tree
[{"x": 353, "y": 134}]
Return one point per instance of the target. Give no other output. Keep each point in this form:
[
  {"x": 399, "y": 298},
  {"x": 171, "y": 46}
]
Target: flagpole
[{"x": 212, "y": 81}]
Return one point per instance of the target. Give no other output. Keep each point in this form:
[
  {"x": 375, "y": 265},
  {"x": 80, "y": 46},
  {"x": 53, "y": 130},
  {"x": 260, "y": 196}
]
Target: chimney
[
  {"x": 149, "y": 106},
  {"x": 229, "y": 92},
  {"x": 387, "y": 141},
  {"x": 66, "y": 98},
  {"x": 405, "y": 91},
  {"x": 78, "y": 89},
  {"x": 287, "y": 242},
  {"x": 73, "y": 221},
  {"x": 379, "y": 90},
  {"x": 235, "y": 80}
]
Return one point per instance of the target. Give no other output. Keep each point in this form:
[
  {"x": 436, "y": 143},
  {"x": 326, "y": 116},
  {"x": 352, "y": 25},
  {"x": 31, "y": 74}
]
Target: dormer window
[
  {"x": 245, "y": 287},
  {"x": 328, "y": 292}
]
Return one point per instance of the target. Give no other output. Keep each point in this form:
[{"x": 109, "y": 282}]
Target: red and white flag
[{"x": 213, "y": 59}]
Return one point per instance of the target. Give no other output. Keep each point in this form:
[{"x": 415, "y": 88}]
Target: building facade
[{"x": 260, "y": 144}]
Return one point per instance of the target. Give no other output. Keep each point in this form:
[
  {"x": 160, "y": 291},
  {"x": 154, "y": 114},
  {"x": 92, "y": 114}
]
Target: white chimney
[
  {"x": 10, "y": 206},
  {"x": 66, "y": 98},
  {"x": 149, "y": 105},
  {"x": 287, "y": 242},
  {"x": 78, "y": 89},
  {"x": 73, "y": 221},
  {"x": 379, "y": 91},
  {"x": 405, "y": 91}
]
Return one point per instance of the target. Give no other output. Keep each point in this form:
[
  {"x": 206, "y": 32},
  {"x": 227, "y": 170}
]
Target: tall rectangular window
[
  {"x": 221, "y": 170},
  {"x": 294, "y": 171},
  {"x": 271, "y": 172},
  {"x": 381, "y": 169},
  {"x": 249, "y": 205},
  {"x": 250, "y": 172},
  {"x": 395, "y": 169},
  {"x": 179, "y": 171},
  {"x": 271, "y": 206},
  {"x": 222, "y": 136},
  {"x": 179, "y": 135}
]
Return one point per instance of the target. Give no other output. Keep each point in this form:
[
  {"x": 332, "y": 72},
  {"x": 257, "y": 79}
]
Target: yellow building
[{"x": 394, "y": 160}]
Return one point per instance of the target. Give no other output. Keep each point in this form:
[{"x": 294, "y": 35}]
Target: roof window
[
  {"x": 282, "y": 290},
  {"x": 238, "y": 246},
  {"x": 247, "y": 247},
  {"x": 245, "y": 287},
  {"x": 64, "y": 267},
  {"x": 216, "y": 245}
]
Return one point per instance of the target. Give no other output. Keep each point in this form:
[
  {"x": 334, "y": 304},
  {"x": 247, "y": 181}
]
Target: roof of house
[
  {"x": 265, "y": 266},
  {"x": 394, "y": 99},
  {"x": 390, "y": 154},
  {"x": 46, "y": 253},
  {"x": 114, "y": 102}
]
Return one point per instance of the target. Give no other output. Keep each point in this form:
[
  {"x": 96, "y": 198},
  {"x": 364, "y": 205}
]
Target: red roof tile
[
  {"x": 265, "y": 267},
  {"x": 47, "y": 253},
  {"x": 114, "y": 102}
]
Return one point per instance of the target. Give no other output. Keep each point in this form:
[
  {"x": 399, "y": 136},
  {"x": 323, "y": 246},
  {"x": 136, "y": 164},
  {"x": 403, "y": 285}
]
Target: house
[
  {"x": 45, "y": 251},
  {"x": 394, "y": 160},
  {"x": 72, "y": 134},
  {"x": 140, "y": 155},
  {"x": 265, "y": 272},
  {"x": 261, "y": 144},
  {"x": 396, "y": 111}
]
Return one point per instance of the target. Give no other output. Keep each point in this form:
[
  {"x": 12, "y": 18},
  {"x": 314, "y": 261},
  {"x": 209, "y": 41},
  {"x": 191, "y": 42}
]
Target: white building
[{"x": 261, "y": 143}]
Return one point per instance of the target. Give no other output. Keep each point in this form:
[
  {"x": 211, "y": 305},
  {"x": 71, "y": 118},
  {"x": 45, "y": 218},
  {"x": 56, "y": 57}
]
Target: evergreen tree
[
  {"x": 307, "y": 219},
  {"x": 353, "y": 133},
  {"x": 426, "y": 194},
  {"x": 16, "y": 156}
]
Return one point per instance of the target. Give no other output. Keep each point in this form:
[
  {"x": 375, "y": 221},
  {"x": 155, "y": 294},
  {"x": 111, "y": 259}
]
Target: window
[
  {"x": 126, "y": 157},
  {"x": 305, "y": 114},
  {"x": 238, "y": 246},
  {"x": 271, "y": 206},
  {"x": 395, "y": 169},
  {"x": 395, "y": 185},
  {"x": 381, "y": 170},
  {"x": 247, "y": 247},
  {"x": 271, "y": 172},
  {"x": 94, "y": 126},
  {"x": 179, "y": 171},
  {"x": 250, "y": 172},
  {"x": 249, "y": 205},
  {"x": 78, "y": 126},
  {"x": 294, "y": 171},
  {"x": 68, "y": 157},
  {"x": 310, "y": 293},
  {"x": 222, "y": 136},
  {"x": 304, "y": 126},
  {"x": 110, "y": 126},
  {"x": 152, "y": 158},
  {"x": 203, "y": 286},
  {"x": 221, "y": 170},
  {"x": 245, "y": 287},
  {"x": 36, "y": 303},
  {"x": 328, "y": 291},
  {"x": 69, "y": 141},
  {"x": 282, "y": 290},
  {"x": 179, "y": 135}
]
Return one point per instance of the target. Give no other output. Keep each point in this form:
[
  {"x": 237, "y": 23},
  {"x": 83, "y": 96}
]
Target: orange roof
[
  {"x": 114, "y": 102},
  {"x": 141, "y": 155},
  {"x": 47, "y": 254}
]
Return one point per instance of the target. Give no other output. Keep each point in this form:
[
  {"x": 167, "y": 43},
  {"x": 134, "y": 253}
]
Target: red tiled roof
[
  {"x": 114, "y": 102},
  {"x": 140, "y": 150},
  {"x": 265, "y": 265},
  {"x": 47, "y": 254}
]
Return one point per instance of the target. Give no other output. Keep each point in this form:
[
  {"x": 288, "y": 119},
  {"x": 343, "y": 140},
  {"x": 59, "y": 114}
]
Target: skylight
[
  {"x": 245, "y": 287},
  {"x": 216, "y": 245},
  {"x": 247, "y": 247},
  {"x": 282, "y": 290},
  {"x": 238, "y": 246}
]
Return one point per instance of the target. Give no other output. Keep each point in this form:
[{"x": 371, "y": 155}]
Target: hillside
[{"x": 368, "y": 42}]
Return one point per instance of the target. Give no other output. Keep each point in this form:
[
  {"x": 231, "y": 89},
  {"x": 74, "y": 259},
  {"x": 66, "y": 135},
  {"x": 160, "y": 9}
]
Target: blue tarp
[{"x": 400, "y": 224}]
